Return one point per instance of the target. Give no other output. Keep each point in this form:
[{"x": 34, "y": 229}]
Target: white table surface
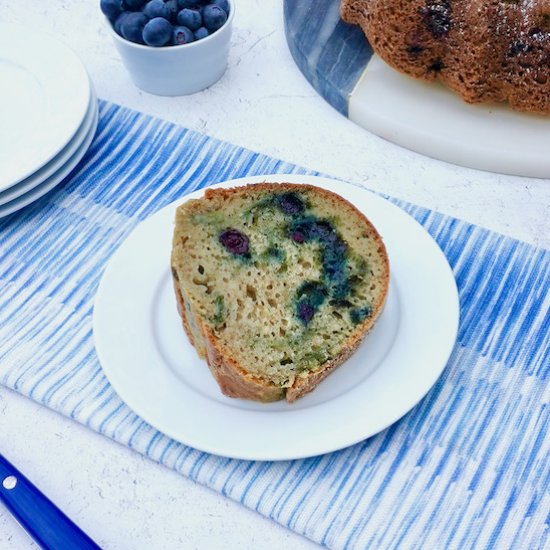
[{"x": 120, "y": 498}]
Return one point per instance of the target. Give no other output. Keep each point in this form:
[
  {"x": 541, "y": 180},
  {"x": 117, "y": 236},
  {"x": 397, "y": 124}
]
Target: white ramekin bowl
[{"x": 177, "y": 70}]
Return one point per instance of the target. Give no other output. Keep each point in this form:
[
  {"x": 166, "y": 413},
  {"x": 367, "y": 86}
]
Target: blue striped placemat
[{"x": 468, "y": 467}]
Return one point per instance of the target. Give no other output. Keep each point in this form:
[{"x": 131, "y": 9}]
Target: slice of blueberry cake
[{"x": 277, "y": 285}]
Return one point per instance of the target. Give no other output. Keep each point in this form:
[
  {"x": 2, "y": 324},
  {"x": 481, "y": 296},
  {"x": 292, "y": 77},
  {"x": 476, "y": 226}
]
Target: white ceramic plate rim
[
  {"x": 54, "y": 179},
  {"x": 428, "y": 118},
  {"x": 66, "y": 98},
  {"x": 57, "y": 162},
  {"x": 424, "y": 340}
]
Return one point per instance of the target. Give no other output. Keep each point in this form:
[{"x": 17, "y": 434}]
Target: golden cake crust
[{"x": 485, "y": 50}]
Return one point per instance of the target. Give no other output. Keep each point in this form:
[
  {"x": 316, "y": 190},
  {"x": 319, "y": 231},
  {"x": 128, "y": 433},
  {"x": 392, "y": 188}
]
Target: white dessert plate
[
  {"x": 44, "y": 97},
  {"x": 50, "y": 168},
  {"x": 42, "y": 187},
  {"x": 147, "y": 358}
]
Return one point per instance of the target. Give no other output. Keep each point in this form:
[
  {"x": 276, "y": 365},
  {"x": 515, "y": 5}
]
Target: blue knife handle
[{"x": 39, "y": 516}]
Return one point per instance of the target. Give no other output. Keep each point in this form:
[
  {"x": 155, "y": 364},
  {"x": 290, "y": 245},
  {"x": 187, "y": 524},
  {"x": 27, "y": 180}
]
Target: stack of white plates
[{"x": 48, "y": 115}]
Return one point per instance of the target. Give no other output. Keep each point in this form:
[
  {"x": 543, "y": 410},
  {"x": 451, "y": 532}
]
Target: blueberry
[
  {"x": 310, "y": 228},
  {"x": 132, "y": 26},
  {"x": 119, "y": 20},
  {"x": 111, "y": 8},
  {"x": 190, "y": 18},
  {"x": 298, "y": 236},
  {"x": 300, "y": 230},
  {"x": 334, "y": 270},
  {"x": 201, "y": 33},
  {"x": 224, "y": 5},
  {"x": 323, "y": 231},
  {"x": 290, "y": 203},
  {"x": 187, "y": 3},
  {"x": 275, "y": 253},
  {"x": 358, "y": 315},
  {"x": 337, "y": 246},
  {"x": 234, "y": 241},
  {"x": 134, "y": 5},
  {"x": 437, "y": 17},
  {"x": 340, "y": 290},
  {"x": 334, "y": 260},
  {"x": 415, "y": 49},
  {"x": 182, "y": 35},
  {"x": 436, "y": 66},
  {"x": 305, "y": 311},
  {"x": 313, "y": 291},
  {"x": 173, "y": 8},
  {"x": 157, "y": 32},
  {"x": 214, "y": 17},
  {"x": 156, "y": 8},
  {"x": 309, "y": 296}
]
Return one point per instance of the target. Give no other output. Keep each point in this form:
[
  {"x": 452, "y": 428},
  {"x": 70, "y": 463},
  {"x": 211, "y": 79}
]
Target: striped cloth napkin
[{"x": 467, "y": 467}]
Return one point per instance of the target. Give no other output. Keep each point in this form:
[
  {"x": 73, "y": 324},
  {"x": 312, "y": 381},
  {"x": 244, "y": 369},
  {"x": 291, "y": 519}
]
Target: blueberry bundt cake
[
  {"x": 277, "y": 285},
  {"x": 486, "y": 50}
]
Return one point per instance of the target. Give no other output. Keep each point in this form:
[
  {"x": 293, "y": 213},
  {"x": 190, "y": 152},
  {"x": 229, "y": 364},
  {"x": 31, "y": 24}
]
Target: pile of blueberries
[{"x": 165, "y": 22}]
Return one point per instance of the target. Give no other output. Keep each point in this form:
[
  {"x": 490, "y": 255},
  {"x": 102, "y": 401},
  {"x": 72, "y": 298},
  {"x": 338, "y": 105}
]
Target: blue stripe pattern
[
  {"x": 468, "y": 467},
  {"x": 331, "y": 54}
]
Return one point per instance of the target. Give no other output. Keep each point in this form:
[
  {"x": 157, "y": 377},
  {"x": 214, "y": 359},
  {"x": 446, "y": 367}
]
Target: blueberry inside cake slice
[{"x": 277, "y": 285}]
